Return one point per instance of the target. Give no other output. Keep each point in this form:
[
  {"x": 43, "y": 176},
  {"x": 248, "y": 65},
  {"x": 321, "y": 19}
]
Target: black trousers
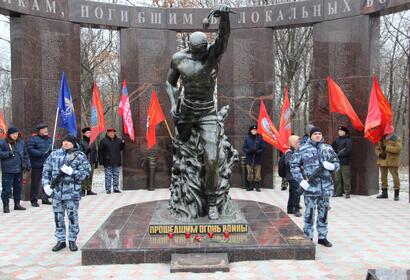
[
  {"x": 36, "y": 174},
  {"x": 294, "y": 197}
]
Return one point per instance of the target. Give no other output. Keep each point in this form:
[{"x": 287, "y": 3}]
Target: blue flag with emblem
[{"x": 66, "y": 108}]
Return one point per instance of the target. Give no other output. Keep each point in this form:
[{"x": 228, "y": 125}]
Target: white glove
[
  {"x": 304, "y": 184},
  {"x": 328, "y": 165},
  {"x": 67, "y": 169},
  {"x": 48, "y": 190}
]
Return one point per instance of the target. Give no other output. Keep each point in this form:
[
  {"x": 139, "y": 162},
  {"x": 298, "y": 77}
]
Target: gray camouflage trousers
[
  {"x": 59, "y": 209},
  {"x": 112, "y": 177},
  {"x": 322, "y": 205}
]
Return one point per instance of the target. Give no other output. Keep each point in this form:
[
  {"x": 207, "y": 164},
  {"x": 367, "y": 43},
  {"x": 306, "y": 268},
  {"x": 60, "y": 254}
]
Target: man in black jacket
[
  {"x": 253, "y": 147},
  {"x": 109, "y": 153},
  {"x": 91, "y": 152},
  {"x": 39, "y": 148},
  {"x": 342, "y": 177}
]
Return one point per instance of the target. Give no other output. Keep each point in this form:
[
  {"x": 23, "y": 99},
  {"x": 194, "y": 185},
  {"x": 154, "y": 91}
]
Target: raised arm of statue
[
  {"x": 224, "y": 31},
  {"x": 171, "y": 87}
]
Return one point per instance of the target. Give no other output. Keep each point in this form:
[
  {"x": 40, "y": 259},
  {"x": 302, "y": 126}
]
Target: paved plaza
[{"x": 366, "y": 233}]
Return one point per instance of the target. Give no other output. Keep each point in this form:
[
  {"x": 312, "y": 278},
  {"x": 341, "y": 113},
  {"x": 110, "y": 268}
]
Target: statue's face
[{"x": 198, "y": 44}]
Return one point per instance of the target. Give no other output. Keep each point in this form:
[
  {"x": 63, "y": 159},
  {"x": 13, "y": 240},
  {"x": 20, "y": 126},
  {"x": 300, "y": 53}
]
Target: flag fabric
[
  {"x": 339, "y": 103},
  {"x": 285, "y": 125},
  {"x": 124, "y": 110},
  {"x": 66, "y": 108},
  {"x": 3, "y": 127},
  {"x": 379, "y": 120},
  {"x": 97, "y": 114},
  {"x": 268, "y": 131},
  {"x": 155, "y": 117}
]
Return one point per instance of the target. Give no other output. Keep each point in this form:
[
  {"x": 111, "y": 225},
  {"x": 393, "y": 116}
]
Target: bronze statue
[{"x": 202, "y": 155}]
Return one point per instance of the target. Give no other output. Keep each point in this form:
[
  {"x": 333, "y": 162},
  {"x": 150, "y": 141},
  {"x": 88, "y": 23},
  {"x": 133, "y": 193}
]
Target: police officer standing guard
[{"x": 63, "y": 172}]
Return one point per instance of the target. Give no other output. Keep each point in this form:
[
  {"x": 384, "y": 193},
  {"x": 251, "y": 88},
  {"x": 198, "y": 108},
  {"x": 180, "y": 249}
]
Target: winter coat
[
  {"x": 109, "y": 151},
  {"x": 253, "y": 147},
  {"x": 288, "y": 157},
  {"x": 340, "y": 143},
  {"x": 39, "y": 148},
  {"x": 307, "y": 160},
  {"x": 70, "y": 185},
  {"x": 17, "y": 160},
  {"x": 393, "y": 148},
  {"x": 89, "y": 150}
]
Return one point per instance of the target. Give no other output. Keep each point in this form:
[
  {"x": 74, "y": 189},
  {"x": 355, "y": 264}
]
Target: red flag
[
  {"x": 268, "y": 131},
  {"x": 97, "y": 115},
  {"x": 124, "y": 110},
  {"x": 339, "y": 103},
  {"x": 3, "y": 127},
  {"x": 155, "y": 117},
  {"x": 285, "y": 125},
  {"x": 379, "y": 120}
]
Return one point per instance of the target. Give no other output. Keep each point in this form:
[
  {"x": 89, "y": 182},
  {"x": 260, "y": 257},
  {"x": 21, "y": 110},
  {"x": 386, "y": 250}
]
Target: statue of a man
[{"x": 197, "y": 67}]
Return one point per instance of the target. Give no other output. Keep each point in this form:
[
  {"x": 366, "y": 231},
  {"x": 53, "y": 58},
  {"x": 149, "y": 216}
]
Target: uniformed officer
[{"x": 63, "y": 172}]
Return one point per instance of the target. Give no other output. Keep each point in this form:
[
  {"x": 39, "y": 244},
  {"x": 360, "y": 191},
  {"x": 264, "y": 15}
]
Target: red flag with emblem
[
  {"x": 268, "y": 130},
  {"x": 124, "y": 110},
  {"x": 155, "y": 117},
  {"x": 3, "y": 127},
  {"x": 379, "y": 120},
  {"x": 339, "y": 103},
  {"x": 97, "y": 115},
  {"x": 285, "y": 125}
]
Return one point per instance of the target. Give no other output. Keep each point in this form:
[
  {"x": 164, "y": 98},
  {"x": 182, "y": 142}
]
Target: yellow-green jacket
[{"x": 392, "y": 148}]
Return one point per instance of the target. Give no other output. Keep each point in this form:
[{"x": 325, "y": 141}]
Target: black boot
[
  {"x": 383, "y": 194},
  {"x": 17, "y": 206},
  {"x": 82, "y": 193},
  {"x": 258, "y": 186},
  {"x": 91, "y": 193},
  {"x": 73, "y": 247},
  {"x": 396, "y": 195},
  {"x": 46, "y": 201},
  {"x": 59, "y": 246},
  {"x": 34, "y": 203},
  {"x": 6, "y": 209},
  {"x": 325, "y": 242},
  {"x": 250, "y": 187}
]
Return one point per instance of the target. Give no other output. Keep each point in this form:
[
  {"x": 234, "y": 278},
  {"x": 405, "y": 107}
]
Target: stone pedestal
[
  {"x": 145, "y": 60},
  {"x": 245, "y": 78},
  {"x": 347, "y": 50},
  {"x": 41, "y": 49}
]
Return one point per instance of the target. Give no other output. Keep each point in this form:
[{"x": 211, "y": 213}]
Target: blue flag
[{"x": 66, "y": 108}]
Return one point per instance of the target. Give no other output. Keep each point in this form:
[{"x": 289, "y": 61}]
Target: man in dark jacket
[
  {"x": 91, "y": 152},
  {"x": 14, "y": 161},
  {"x": 253, "y": 147},
  {"x": 109, "y": 153},
  {"x": 39, "y": 148},
  {"x": 343, "y": 148}
]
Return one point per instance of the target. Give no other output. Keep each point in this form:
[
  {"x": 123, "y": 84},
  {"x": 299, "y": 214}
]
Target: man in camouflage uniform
[
  {"x": 63, "y": 172},
  {"x": 312, "y": 155}
]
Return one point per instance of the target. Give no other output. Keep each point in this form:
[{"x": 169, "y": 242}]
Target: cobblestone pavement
[{"x": 366, "y": 232}]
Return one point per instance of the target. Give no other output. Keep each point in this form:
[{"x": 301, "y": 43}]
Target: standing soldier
[
  {"x": 63, "y": 172},
  {"x": 343, "y": 147},
  {"x": 14, "y": 161},
  {"x": 312, "y": 157},
  {"x": 39, "y": 148},
  {"x": 91, "y": 152},
  {"x": 253, "y": 147},
  {"x": 109, "y": 153},
  {"x": 388, "y": 152},
  {"x": 294, "y": 196}
]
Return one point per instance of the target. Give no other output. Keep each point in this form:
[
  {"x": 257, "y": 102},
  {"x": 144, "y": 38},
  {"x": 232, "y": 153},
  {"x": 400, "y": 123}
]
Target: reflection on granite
[
  {"x": 388, "y": 274},
  {"x": 124, "y": 238}
]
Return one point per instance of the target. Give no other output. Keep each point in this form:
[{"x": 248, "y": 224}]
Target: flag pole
[
  {"x": 55, "y": 128},
  {"x": 169, "y": 130}
]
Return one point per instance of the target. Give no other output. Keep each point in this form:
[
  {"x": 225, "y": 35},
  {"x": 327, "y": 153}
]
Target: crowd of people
[
  {"x": 311, "y": 167},
  {"x": 63, "y": 174},
  {"x": 319, "y": 171}
]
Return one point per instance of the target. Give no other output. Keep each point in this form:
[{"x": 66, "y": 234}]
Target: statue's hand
[{"x": 223, "y": 9}]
